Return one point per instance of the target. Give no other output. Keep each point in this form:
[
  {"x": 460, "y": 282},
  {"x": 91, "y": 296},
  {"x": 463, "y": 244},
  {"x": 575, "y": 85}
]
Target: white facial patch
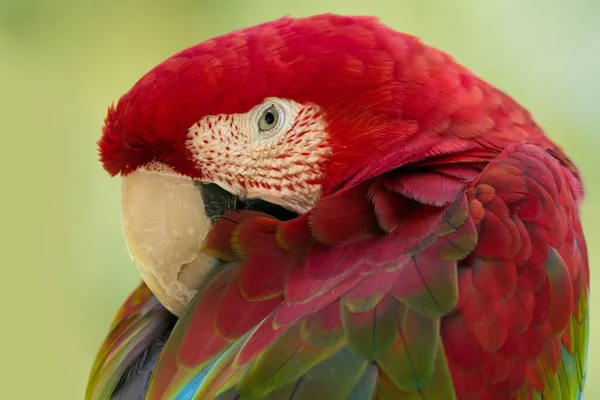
[{"x": 275, "y": 152}]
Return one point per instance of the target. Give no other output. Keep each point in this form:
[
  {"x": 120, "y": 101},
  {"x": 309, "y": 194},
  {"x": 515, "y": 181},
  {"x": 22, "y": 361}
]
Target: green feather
[
  {"x": 552, "y": 387},
  {"x": 428, "y": 287},
  {"x": 458, "y": 244},
  {"x": 372, "y": 333},
  {"x": 454, "y": 217},
  {"x": 317, "y": 329},
  {"x": 567, "y": 375},
  {"x": 282, "y": 363},
  {"x": 224, "y": 373},
  {"x": 333, "y": 379},
  {"x": 410, "y": 363},
  {"x": 228, "y": 395},
  {"x": 580, "y": 334},
  {"x": 365, "y": 387},
  {"x": 286, "y": 393},
  {"x": 440, "y": 387}
]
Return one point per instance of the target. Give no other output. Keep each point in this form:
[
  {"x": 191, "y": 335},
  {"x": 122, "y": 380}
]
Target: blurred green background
[{"x": 63, "y": 62}]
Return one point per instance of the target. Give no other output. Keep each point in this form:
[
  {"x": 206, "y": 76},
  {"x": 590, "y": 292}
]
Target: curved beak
[
  {"x": 166, "y": 218},
  {"x": 165, "y": 223}
]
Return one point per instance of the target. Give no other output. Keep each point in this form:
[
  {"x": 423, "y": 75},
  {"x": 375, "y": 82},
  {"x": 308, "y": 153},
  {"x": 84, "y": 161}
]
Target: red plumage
[
  {"x": 408, "y": 95},
  {"x": 515, "y": 302},
  {"x": 442, "y": 199}
]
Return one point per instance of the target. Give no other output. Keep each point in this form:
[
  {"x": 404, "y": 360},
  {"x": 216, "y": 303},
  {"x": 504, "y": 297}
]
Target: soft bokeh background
[{"x": 65, "y": 268}]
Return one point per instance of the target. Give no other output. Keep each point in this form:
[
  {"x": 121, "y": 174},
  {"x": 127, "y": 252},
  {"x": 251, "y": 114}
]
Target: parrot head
[{"x": 276, "y": 116}]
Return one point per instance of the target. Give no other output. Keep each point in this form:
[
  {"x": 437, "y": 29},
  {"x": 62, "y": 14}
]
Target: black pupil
[{"x": 269, "y": 117}]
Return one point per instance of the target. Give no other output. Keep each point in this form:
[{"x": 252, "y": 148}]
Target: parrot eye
[
  {"x": 272, "y": 117},
  {"x": 269, "y": 119}
]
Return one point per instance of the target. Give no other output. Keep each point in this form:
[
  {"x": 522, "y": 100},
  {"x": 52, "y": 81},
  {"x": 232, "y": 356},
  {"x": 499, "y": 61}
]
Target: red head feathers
[{"x": 388, "y": 99}]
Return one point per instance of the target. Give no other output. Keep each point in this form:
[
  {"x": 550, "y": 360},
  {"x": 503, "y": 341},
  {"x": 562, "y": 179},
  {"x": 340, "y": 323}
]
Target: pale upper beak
[
  {"x": 165, "y": 223},
  {"x": 166, "y": 218}
]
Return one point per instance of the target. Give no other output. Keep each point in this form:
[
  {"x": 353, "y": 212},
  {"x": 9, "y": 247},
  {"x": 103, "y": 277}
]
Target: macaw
[{"x": 325, "y": 208}]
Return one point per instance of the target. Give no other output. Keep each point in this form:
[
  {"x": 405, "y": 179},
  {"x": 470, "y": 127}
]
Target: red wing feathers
[{"x": 479, "y": 293}]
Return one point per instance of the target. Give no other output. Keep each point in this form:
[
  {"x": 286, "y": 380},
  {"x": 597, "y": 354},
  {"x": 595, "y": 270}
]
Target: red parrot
[{"x": 325, "y": 208}]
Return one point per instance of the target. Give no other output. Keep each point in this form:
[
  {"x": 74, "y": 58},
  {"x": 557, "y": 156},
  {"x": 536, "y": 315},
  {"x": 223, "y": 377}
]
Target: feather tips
[
  {"x": 516, "y": 289},
  {"x": 140, "y": 320},
  {"x": 460, "y": 297}
]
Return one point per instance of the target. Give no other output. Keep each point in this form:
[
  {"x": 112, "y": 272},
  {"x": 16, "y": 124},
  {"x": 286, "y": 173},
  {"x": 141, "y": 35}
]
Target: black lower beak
[{"x": 218, "y": 202}]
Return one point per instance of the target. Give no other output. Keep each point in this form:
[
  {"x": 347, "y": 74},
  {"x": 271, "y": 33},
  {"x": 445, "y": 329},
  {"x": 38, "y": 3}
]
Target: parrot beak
[
  {"x": 165, "y": 223},
  {"x": 166, "y": 218}
]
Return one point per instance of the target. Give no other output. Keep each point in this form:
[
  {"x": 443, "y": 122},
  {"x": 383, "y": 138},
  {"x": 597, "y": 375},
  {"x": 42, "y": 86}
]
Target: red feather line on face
[{"x": 381, "y": 90}]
